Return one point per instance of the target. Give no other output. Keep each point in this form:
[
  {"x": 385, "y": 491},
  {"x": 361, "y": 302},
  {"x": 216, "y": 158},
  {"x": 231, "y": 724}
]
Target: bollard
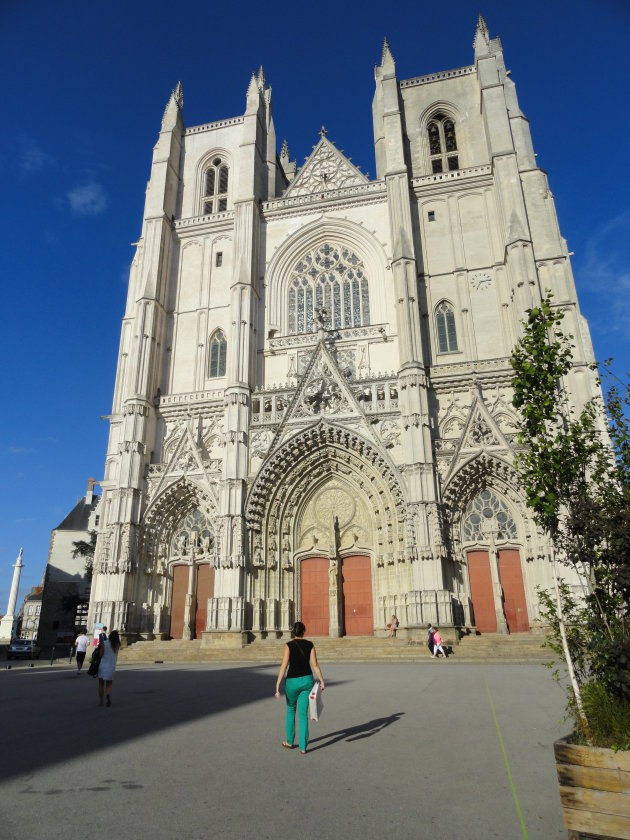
[{"x": 52, "y": 655}]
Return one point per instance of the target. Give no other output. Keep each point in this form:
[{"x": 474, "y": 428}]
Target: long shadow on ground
[
  {"x": 355, "y": 733},
  {"x": 52, "y": 716}
]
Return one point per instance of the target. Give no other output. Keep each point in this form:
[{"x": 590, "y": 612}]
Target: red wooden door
[
  {"x": 314, "y": 592},
  {"x": 178, "y": 600},
  {"x": 481, "y": 591},
  {"x": 205, "y": 590},
  {"x": 358, "y": 613},
  {"x": 514, "y": 603}
]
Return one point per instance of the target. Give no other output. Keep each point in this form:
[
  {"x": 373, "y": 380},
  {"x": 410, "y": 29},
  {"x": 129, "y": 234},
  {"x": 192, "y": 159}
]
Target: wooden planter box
[{"x": 594, "y": 790}]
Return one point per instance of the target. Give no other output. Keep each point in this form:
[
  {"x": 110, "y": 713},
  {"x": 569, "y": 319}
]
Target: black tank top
[{"x": 299, "y": 658}]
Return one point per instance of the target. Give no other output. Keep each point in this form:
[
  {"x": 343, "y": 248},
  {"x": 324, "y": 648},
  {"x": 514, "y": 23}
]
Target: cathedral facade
[{"x": 312, "y": 414}]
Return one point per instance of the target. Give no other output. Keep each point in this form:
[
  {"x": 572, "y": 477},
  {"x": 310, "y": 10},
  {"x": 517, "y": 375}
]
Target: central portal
[{"x": 347, "y": 600}]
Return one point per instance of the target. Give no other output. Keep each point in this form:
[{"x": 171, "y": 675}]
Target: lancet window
[
  {"x": 445, "y": 327},
  {"x": 215, "y": 187},
  {"x": 442, "y": 144},
  {"x": 488, "y": 515},
  {"x": 330, "y": 278},
  {"x": 218, "y": 354}
]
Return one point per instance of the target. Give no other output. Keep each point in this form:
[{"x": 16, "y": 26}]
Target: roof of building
[
  {"x": 35, "y": 594},
  {"x": 79, "y": 517}
]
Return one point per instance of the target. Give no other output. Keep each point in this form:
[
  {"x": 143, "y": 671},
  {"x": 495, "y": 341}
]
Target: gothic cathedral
[{"x": 312, "y": 413}]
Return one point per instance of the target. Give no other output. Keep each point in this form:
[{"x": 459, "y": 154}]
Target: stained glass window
[
  {"x": 332, "y": 278},
  {"x": 488, "y": 514},
  {"x": 442, "y": 144},
  {"x": 218, "y": 354},
  {"x": 445, "y": 326},
  {"x": 194, "y": 531},
  {"x": 215, "y": 196}
]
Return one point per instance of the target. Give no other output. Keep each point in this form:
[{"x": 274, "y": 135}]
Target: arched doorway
[
  {"x": 495, "y": 573},
  {"x": 192, "y": 585},
  {"x": 192, "y": 575}
]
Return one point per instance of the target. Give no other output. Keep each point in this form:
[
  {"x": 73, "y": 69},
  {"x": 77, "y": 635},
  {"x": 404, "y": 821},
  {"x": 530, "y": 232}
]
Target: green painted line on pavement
[{"x": 507, "y": 763}]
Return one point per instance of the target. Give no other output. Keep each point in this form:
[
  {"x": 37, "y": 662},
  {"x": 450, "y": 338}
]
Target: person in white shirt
[{"x": 81, "y": 644}]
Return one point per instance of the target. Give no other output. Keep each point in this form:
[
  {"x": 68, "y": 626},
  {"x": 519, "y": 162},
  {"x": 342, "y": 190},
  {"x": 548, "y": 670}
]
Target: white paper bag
[{"x": 315, "y": 702}]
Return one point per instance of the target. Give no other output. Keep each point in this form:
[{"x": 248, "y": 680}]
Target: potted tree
[{"x": 575, "y": 469}]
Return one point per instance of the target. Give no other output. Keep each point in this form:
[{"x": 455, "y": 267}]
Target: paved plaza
[{"x": 402, "y": 751}]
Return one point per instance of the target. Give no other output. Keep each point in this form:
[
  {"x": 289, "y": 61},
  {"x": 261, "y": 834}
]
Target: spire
[
  {"x": 481, "y": 42},
  {"x": 387, "y": 59},
  {"x": 284, "y": 152},
  {"x": 173, "y": 107},
  {"x": 261, "y": 79}
]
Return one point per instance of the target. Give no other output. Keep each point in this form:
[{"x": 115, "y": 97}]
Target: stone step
[{"x": 486, "y": 648}]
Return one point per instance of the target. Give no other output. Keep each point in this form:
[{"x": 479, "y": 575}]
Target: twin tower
[{"x": 312, "y": 413}]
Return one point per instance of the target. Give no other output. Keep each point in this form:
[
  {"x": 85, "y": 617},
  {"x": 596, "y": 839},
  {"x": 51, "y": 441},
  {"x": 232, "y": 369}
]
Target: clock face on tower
[{"x": 480, "y": 280}]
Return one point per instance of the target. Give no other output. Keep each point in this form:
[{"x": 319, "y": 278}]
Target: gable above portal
[{"x": 326, "y": 169}]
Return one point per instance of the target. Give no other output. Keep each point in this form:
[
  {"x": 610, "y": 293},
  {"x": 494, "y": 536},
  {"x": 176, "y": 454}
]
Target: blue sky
[{"x": 84, "y": 88}]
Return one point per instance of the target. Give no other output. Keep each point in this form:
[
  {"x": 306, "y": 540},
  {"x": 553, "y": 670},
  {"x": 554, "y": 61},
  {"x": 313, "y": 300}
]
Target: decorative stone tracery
[
  {"x": 182, "y": 521},
  {"x": 331, "y": 457}
]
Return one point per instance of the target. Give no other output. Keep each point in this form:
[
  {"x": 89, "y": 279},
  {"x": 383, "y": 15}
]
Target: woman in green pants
[{"x": 300, "y": 657}]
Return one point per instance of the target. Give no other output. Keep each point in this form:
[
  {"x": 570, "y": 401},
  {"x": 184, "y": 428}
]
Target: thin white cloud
[
  {"x": 31, "y": 157},
  {"x": 19, "y": 450},
  {"x": 87, "y": 200},
  {"x": 605, "y": 273}
]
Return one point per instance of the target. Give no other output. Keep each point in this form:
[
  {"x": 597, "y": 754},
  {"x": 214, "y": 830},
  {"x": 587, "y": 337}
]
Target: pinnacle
[
  {"x": 481, "y": 31},
  {"x": 387, "y": 53},
  {"x": 253, "y": 85}
]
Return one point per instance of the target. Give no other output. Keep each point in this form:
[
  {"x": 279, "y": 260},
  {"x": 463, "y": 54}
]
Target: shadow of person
[{"x": 355, "y": 733}]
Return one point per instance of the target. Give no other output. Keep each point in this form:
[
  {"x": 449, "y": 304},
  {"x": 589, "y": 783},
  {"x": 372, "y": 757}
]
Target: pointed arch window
[
  {"x": 442, "y": 144},
  {"x": 331, "y": 277},
  {"x": 445, "y": 328},
  {"x": 218, "y": 354},
  {"x": 488, "y": 514},
  {"x": 215, "y": 187}
]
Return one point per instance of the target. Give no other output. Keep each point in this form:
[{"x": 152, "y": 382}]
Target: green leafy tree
[
  {"x": 575, "y": 469},
  {"x": 86, "y": 549}
]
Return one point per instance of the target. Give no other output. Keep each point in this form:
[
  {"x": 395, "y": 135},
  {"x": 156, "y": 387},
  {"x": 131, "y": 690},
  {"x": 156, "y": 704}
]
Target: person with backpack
[{"x": 430, "y": 642}]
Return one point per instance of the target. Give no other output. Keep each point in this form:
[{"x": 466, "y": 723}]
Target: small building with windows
[
  {"x": 67, "y": 578},
  {"x": 29, "y": 614},
  {"x": 312, "y": 416}
]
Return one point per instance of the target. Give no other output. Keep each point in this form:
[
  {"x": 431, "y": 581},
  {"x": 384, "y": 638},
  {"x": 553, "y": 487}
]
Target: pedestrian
[
  {"x": 107, "y": 666},
  {"x": 81, "y": 644},
  {"x": 301, "y": 659},
  {"x": 430, "y": 643},
  {"x": 102, "y": 635},
  {"x": 393, "y": 627},
  {"x": 437, "y": 644}
]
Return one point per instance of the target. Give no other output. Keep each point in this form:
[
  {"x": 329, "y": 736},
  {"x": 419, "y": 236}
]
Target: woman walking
[
  {"x": 106, "y": 666},
  {"x": 301, "y": 659}
]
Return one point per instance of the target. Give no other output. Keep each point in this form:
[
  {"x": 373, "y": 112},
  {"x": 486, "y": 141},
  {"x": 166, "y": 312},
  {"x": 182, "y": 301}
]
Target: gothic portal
[{"x": 312, "y": 414}]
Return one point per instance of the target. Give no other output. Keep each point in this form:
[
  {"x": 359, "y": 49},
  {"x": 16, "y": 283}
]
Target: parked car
[{"x": 28, "y": 648}]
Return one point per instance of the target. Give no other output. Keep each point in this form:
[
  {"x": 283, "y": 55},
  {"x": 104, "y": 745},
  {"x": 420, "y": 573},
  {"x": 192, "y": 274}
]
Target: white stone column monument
[{"x": 7, "y": 623}]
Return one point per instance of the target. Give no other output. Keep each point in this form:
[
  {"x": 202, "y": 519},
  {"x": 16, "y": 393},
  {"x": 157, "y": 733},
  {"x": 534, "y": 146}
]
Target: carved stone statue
[{"x": 333, "y": 572}]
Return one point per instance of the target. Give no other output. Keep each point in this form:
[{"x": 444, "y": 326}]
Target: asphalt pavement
[{"x": 194, "y": 751}]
